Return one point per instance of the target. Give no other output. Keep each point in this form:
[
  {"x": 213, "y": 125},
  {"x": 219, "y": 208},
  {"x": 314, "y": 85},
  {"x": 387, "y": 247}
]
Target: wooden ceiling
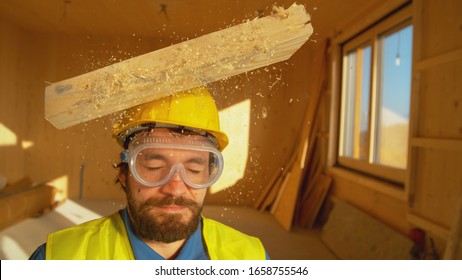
[{"x": 161, "y": 18}]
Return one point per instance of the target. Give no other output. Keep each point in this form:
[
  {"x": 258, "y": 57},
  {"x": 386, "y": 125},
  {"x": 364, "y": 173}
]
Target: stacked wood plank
[
  {"x": 298, "y": 189},
  {"x": 24, "y": 199}
]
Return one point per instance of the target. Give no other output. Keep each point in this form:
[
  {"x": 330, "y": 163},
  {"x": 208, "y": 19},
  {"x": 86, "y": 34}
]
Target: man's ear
[{"x": 123, "y": 177}]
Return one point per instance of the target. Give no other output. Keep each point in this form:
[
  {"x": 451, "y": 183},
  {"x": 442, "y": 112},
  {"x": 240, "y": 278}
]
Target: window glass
[
  {"x": 394, "y": 95},
  {"x": 356, "y": 98}
]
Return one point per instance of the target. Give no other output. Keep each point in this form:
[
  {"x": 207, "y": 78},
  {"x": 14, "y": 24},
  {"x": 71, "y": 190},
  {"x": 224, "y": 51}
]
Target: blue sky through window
[{"x": 396, "y": 75}]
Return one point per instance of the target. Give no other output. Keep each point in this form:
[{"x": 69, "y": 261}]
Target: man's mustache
[{"x": 169, "y": 201}]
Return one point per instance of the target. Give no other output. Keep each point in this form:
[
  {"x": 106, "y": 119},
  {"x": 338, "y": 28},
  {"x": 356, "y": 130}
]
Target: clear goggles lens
[{"x": 155, "y": 161}]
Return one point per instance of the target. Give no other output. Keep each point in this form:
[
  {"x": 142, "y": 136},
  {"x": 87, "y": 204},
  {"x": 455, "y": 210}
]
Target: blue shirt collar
[{"x": 193, "y": 249}]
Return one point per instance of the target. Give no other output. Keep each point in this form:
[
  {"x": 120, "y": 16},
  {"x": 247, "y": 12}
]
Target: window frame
[{"x": 370, "y": 36}]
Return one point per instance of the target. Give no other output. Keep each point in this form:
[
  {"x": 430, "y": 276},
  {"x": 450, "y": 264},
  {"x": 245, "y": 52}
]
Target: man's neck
[{"x": 166, "y": 250}]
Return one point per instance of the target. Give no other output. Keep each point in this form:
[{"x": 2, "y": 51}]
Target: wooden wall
[
  {"x": 435, "y": 180},
  {"x": 13, "y": 104},
  {"x": 433, "y": 189}
]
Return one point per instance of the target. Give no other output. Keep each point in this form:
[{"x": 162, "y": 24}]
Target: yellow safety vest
[{"x": 106, "y": 239}]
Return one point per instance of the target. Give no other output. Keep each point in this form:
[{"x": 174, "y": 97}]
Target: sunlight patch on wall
[
  {"x": 8, "y": 137},
  {"x": 76, "y": 213},
  {"x": 61, "y": 184},
  {"x": 235, "y": 122},
  {"x": 26, "y": 144}
]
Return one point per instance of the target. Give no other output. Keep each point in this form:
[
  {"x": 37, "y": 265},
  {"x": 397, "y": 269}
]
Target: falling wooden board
[{"x": 238, "y": 49}]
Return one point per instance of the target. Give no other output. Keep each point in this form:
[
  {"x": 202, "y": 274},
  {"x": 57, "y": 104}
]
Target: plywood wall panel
[
  {"x": 441, "y": 27},
  {"x": 440, "y": 100},
  {"x": 438, "y": 184},
  {"x": 14, "y": 74}
]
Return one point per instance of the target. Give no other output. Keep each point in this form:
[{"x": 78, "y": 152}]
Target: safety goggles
[{"x": 155, "y": 159}]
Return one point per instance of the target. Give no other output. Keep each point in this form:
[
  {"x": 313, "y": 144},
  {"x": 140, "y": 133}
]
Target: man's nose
[{"x": 176, "y": 186}]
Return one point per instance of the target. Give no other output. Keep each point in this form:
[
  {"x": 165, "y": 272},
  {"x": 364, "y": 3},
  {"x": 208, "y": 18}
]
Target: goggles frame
[{"x": 149, "y": 141}]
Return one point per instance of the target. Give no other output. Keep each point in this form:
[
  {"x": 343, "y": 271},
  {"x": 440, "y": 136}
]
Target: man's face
[{"x": 166, "y": 213}]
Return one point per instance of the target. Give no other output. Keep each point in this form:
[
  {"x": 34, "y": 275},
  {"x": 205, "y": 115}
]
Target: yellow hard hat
[{"x": 193, "y": 109}]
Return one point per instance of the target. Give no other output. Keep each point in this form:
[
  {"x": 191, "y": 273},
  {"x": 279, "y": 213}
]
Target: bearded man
[{"x": 171, "y": 155}]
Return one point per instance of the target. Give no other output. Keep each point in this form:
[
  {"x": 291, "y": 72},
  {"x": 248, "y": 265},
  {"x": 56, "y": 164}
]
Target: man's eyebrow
[
  {"x": 151, "y": 156},
  {"x": 157, "y": 156},
  {"x": 198, "y": 160}
]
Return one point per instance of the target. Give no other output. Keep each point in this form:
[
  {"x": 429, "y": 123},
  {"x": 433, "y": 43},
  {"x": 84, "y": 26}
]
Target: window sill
[{"x": 387, "y": 188}]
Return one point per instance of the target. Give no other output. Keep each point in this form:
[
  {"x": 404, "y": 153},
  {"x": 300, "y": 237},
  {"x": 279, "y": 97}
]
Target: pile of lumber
[
  {"x": 23, "y": 199},
  {"x": 296, "y": 192}
]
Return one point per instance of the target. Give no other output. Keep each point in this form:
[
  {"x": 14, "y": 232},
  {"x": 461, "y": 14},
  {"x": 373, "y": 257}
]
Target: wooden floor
[{"x": 20, "y": 240}]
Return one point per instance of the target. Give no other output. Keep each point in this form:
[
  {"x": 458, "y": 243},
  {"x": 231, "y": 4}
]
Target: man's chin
[{"x": 166, "y": 227}]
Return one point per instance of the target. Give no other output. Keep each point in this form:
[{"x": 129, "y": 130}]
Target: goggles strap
[
  {"x": 125, "y": 156},
  {"x": 130, "y": 134}
]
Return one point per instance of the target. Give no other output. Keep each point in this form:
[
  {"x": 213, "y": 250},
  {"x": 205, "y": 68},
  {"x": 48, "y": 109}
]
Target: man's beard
[{"x": 165, "y": 227}]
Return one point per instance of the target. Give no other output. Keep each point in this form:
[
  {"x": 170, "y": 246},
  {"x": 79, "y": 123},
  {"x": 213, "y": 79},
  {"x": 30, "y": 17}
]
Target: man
[{"x": 172, "y": 154}]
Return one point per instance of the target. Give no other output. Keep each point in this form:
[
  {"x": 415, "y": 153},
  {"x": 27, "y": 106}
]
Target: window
[{"x": 375, "y": 100}]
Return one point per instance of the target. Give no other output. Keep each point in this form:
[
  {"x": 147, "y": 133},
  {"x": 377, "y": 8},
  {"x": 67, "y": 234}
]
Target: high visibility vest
[{"x": 106, "y": 239}]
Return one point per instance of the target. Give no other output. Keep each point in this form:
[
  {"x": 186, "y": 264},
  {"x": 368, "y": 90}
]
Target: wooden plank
[
  {"x": 26, "y": 203},
  {"x": 276, "y": 187},
  {"x": 284, "y": 211},
  {"x": 313, "y": 171},
  {"x": 212, "y": 57},
  {"x": 376, "y": 11},
  {"x": 334, "y": 100},
  {"x": 439, "y": 59},
  {"x": 258, "y": 203},
  {"x": 310, "y": 207},
  {"x": 437, "y": 143},
  {"x": 371, "y": 183},
  {"x": 282, "y": 188},
  {"x": 274, "y": 183},
  {"x": 19, "y": 185},
  {"x": 269, "y": 200},
  {"x": 313, "y": 142},
  {"x": 268, "y": 196},
  {"x": 453, "y": 243},
  {"x": 427, "y": 225},
  {"x": 417, "y": 21}
]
